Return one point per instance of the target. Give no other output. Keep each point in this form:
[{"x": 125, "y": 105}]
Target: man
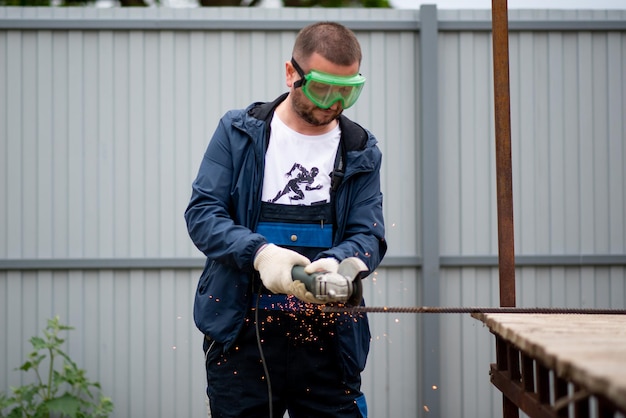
[{"x": 269, "y": 347}]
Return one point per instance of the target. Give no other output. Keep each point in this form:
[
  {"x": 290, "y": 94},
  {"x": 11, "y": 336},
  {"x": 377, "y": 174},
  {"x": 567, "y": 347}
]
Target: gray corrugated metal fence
[{"x": 105, "y": 115}]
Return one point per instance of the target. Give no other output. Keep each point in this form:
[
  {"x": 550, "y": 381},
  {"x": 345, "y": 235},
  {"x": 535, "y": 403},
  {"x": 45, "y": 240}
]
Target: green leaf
[
  {"x": 67, "y": 358},
  {"x": 5, "y": 401},
  {"x": 33, "y": 363},
  {"x": 16, "y": 413},
  {"x": 26, "y": 366},
  {"x": 53, "y": 322},
  {"x": 67, "y": 404},
  {"x": 38, "y": 343},
  {"x": 26, "y": 393}
]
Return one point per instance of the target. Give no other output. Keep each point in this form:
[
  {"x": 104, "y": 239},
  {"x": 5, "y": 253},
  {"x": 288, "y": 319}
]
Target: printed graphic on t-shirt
[
  {"x": 302, "y": 178},
  {"x": 298, "y": 167}
]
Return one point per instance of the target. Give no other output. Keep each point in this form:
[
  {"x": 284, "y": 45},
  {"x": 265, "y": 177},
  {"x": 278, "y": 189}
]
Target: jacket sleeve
[
  {"x": 363, "y": 231},
  {"x": 211, "y": 216}
]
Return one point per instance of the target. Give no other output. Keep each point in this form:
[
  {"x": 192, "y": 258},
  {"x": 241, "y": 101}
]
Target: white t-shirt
[{"x": 298, "y": 167}]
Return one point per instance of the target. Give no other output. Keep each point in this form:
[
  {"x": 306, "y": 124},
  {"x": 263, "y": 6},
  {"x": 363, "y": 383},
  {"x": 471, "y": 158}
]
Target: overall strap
[{"x": 336, "y": 177}]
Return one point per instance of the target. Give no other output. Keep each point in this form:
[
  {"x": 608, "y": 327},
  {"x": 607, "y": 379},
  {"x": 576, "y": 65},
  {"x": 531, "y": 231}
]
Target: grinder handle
[{"x": 297, "y": 273}]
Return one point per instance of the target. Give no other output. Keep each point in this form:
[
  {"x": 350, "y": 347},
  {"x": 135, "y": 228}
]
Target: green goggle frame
[{"x": 325, "y": 89}]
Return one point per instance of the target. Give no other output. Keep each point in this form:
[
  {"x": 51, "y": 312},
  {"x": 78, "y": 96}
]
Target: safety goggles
[{"x": 325, "y": 89}]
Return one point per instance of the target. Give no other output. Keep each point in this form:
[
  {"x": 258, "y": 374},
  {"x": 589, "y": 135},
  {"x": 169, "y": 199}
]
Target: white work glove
[
  {"x": 323, "y": 264},
  {"x": 274, "y": 265},
  {"x": 299, "y": 290}
]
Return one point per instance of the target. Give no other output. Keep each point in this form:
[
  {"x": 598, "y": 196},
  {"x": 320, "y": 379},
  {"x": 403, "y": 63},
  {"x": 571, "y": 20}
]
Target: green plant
[
  {"x": 61, "y": 393},
  {"x": 24, "y": 3},
  {"x": 337, "y": 3}
]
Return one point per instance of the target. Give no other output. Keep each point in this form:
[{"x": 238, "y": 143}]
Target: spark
[
  {"x": 426, "y": 408},
  {"x": 174, "y": 347},
  {"x": 435, "y": 387}
]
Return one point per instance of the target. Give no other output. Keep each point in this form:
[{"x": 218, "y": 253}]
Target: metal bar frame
[{"x": 539, "y": 391}]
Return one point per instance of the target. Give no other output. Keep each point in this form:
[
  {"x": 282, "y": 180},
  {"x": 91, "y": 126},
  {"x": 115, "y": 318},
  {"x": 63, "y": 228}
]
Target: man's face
[{"x": 301, "y": 104}]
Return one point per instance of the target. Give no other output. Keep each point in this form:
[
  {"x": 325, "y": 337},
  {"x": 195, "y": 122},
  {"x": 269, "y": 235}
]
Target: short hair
[{"x": 331, "y": 40}]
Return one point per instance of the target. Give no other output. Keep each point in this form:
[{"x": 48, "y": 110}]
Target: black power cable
[{"x": 263, "y": 362}]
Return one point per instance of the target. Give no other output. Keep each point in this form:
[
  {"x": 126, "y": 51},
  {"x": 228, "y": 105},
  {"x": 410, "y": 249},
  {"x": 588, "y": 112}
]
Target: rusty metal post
[
  {"x": 504, "y": 171},
  {"x": 502, "y": 101}
]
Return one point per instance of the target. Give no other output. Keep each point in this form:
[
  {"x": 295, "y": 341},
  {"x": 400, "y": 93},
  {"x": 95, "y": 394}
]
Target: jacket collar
[
  {"x": 353, "y": 136},
  {"x": 265, "y": 111}
]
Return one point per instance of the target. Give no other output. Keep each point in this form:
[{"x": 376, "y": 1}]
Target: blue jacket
[{"x": 224, "y": 211}]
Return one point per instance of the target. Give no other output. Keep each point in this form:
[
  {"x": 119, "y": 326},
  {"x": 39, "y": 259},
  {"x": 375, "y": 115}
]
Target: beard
[{"x": 310, "y": 113}]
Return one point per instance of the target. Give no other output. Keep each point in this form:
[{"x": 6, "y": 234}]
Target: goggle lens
[
  {"x": 325, "y": 95},
  {"x": 325, "y": 89}
]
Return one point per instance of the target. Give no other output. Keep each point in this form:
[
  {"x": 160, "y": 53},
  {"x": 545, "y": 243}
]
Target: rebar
[{"x": 470, "y": 310}]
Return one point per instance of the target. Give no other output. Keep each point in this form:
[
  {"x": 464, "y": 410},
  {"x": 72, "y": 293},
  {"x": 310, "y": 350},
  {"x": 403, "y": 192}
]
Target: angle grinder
[{"x": 344, "y": 286}]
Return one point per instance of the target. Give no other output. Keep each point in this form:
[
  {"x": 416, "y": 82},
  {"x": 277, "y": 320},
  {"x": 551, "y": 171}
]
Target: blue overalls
[{"x": 299, "y": 347}]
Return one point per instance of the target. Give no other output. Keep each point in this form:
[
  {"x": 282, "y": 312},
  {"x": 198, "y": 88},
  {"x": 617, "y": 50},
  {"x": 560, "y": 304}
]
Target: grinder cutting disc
[{"x": 353, "y": 269}]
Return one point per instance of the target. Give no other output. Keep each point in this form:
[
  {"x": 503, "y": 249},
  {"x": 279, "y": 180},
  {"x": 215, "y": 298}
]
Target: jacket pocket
[
  {"x": 212, "y": 315},
  {"x": 211, "y": 349},
  {"x": 204, "y": 279}
]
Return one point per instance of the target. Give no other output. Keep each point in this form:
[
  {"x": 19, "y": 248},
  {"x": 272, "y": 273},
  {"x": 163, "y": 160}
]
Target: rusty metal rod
[{"x": 470, "y": 310}]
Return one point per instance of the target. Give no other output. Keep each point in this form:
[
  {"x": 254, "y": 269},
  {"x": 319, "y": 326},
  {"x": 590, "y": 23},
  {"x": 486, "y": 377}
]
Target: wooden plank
[{"x": 588, "y": 350}]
